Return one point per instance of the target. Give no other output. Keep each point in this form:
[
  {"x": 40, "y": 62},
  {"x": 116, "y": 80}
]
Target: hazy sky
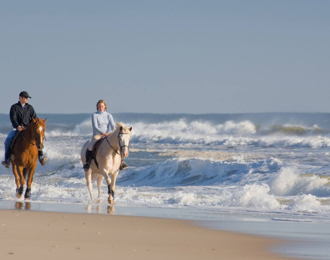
[{"x": 166, "y": 56}]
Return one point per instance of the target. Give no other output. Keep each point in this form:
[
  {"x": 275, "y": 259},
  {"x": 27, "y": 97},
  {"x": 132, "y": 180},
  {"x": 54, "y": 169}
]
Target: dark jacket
[{"x": 20, "y": 116}]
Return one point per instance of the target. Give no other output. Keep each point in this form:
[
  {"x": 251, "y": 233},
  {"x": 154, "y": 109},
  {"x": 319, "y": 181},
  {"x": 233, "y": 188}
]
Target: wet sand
[{"x": 28, "y": 234}]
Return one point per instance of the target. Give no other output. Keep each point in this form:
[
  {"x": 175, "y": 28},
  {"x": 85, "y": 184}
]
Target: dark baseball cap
[{"x": 24, "y": 94}]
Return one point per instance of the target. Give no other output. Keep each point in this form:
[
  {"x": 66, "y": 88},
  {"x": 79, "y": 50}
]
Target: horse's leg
[
  {"x": 30, "y": 172},
  {"x": 113, "y": 187},
  {"x": 99, "y": 182},
  {"x": 88, "y": 176},
  {"x": 17, "y": 179},
  {"x": 106, "y": 176},
  {"x": 19, "y": 190}
]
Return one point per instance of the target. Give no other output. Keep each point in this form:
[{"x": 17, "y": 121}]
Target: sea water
[{"x": 265, "y": 167}]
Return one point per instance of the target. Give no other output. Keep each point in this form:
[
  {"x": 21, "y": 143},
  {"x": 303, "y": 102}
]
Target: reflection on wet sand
[
  {"x": 91, "y": 208},
  {"x": 22, "y": 205},
  {"x": 110, "y": 209},
  {"x": 98, "y": 209}
]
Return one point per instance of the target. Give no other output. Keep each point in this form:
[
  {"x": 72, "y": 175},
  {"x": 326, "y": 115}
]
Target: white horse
[{"x": 109, "y": 157}]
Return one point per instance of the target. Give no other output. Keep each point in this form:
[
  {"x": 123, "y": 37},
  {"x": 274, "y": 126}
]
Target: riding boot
[
  {"x": 123, "y": 165},
  {"x": 6, "y": 162},
  {"x": 42, "y": 158},
  {"x": 89, "y": 155}
]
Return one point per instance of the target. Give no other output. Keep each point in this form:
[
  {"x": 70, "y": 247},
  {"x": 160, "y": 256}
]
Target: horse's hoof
[
  {"x": 111, "y": 201},
  {"x": 27, "y": 194},
  {"x": 19, "y": 192}
]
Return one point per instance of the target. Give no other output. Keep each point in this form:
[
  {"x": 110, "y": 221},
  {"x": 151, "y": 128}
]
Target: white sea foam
[
  {"x": 230, "y": 134},
  {"x": 240, "y": 128},
  {"x": 289, "y": 182},
  {"x": 254, "y": 196},
  {"x": 82, "y": 129}
]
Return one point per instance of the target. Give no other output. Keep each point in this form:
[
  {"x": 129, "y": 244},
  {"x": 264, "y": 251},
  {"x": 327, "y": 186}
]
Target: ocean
[{"x": 268, "y": 166}]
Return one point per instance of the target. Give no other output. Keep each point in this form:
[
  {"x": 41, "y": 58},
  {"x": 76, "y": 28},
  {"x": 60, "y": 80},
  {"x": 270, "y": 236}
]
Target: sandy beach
[{"x": 50, "y": 235}]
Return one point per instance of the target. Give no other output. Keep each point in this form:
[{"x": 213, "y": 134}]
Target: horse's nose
[{"x": 125, "y": 153}]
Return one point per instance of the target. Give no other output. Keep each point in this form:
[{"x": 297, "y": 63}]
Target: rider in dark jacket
[{"x": 21, "y": 115}]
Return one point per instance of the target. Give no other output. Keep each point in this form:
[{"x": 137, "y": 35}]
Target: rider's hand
[
  {"x": 105, "y": 134},
  {"x": 20, "y": 128}
]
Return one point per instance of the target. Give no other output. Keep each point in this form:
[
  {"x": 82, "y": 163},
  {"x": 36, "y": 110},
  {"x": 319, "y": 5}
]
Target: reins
[
  {"x": 35, "y": 143},
  {"x": 112, "y": 146},
  {"x": 116, "y": 151},
  {"x": 120, "y": 146}
]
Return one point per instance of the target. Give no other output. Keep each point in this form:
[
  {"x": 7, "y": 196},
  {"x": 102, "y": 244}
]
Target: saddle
[{"x": 14, "y": 140}]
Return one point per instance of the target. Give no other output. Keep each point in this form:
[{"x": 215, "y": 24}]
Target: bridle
[
  {"x": 121, "y": 147},
  {"x": 35, "y": 142}
]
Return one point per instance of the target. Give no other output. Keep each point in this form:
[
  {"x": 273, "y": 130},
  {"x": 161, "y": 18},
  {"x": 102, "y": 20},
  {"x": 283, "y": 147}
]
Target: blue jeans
[{"x": 8, "y": 140}]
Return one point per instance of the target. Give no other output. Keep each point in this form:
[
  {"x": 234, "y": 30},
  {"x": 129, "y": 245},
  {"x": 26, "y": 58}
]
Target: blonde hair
[{"x": 101, "y": 101}]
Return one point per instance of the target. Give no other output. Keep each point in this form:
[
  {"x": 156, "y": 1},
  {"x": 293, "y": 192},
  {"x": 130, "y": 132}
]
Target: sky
[{"x": 172, "y": 56}]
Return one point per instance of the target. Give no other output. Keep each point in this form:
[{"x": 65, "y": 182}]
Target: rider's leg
[
  {"x": 89, "y": 155},
  {"x": 42, "y": 158},
  {"x": 6, "y": 161},
  {"x": 89, "y": 151}
]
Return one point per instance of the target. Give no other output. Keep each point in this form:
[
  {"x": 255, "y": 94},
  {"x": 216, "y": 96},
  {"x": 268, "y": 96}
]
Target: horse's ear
[
  {"x": 45, "y": 120},
  {"x": 130, "y": 128},
  {"x": 34, "y": 120}
]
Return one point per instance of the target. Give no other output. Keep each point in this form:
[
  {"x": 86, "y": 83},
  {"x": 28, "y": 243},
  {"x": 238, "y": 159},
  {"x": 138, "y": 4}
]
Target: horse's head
[
  {"x": 124, "y": 136},
  {"x": 38, "y": 128}
]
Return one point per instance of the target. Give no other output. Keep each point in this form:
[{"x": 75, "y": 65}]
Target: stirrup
[
  {"x": 6, "y": 164},
  {"x": 86, "y": 166},
  {"x": 43, "y": 160}
]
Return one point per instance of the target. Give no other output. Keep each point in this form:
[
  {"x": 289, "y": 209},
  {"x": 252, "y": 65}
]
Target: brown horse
[{"x": 25, "y": 155}]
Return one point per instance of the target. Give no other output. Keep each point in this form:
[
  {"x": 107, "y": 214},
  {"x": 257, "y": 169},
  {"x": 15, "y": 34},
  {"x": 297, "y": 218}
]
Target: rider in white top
[
  {"x": 103, "y": 125},
  {"x": 102, "y": 122}
]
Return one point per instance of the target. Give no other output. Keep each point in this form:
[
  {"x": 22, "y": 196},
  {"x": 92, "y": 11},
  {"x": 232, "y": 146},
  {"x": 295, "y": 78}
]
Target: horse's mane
[
  {"x": 125, "y": 128},
  {"x": 38, "y": 120}
]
